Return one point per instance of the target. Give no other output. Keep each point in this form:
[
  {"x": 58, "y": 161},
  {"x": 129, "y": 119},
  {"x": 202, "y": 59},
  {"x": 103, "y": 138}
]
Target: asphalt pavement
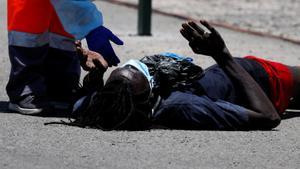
[{"x": 25, "y": 142}]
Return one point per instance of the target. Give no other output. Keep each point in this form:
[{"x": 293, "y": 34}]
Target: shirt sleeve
[
  {"x": 188, "y": 111},
  {"x": 78, "y": 17}
]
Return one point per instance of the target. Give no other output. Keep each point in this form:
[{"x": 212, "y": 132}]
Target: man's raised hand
[{"x": 206, "y": 43}]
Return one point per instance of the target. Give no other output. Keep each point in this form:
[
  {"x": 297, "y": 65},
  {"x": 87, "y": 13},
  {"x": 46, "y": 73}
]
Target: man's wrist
[{"x": 223, "y": 57}]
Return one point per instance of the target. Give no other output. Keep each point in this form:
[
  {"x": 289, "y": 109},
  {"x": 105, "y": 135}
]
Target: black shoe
[{"x": 28, "y": 105}]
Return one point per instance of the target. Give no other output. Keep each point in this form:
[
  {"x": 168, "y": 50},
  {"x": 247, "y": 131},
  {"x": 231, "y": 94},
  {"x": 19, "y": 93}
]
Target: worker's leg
[
  {"x": 62, "y": 72},
  {"x": 28, "y": 23},
  {"x": 62, "y": 65}
]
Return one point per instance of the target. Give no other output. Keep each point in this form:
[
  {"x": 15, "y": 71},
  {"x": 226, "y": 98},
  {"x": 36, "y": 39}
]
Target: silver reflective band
[
  {"x": 61, "y": 42},
  {"x": 31, "y": 40}
]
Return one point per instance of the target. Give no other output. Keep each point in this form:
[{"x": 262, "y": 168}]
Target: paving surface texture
[
  {"x": 25, "y": 142},
  {"x": 270, "y": 16}
]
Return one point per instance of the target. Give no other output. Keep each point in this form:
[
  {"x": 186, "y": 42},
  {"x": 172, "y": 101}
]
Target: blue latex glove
[{"x": 98, "y": 40}]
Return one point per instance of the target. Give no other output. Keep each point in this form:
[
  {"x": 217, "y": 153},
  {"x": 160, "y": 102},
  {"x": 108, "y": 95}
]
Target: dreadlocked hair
[{"x": 116, "y": 107}]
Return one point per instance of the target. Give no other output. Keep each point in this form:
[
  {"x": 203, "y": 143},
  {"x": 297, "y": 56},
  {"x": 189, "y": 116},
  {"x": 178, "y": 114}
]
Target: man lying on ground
[{"x": 170, "y": 91}]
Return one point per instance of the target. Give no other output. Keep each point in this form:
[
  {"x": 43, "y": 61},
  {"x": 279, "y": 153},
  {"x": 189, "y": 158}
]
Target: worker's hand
[
  {"x": 206, "y": 43},
  {"x": 99, "y": 39},
  {"x": 90, "y": 60}
]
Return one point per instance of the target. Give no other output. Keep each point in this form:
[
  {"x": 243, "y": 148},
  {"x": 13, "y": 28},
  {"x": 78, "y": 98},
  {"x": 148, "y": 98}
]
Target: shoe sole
[{"x": 17, "y": 108}]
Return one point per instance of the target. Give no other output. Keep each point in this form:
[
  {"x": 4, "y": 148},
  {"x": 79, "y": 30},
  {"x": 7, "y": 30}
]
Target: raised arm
[{"x": 262, "y": 114}]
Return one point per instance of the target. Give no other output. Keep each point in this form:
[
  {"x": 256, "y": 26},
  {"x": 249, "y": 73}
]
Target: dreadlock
[{"x": 117, "y": 107}]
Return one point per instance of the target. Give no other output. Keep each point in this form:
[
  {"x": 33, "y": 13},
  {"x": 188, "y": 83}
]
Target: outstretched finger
[
  {"x": 208, "y": 26},
  {"x": 196, "y": 27},
  {"x": 192, "y": 32},
  {"x": 116, "y": 39},
  {"x": 78, "y": 43},
  {"x": 80, "y": 50},
  {"x": 78, "y": 46},
  {"x": 185, "y": 34}
]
